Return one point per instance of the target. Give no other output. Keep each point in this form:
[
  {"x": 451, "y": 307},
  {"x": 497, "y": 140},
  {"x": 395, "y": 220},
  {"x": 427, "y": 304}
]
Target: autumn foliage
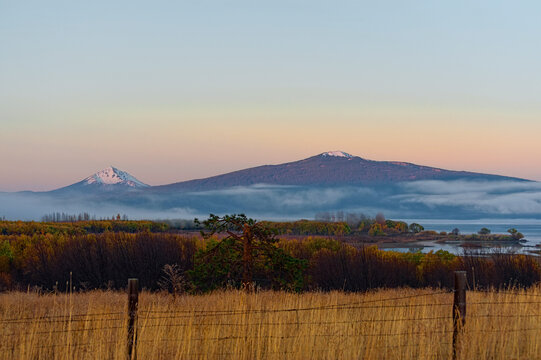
[{"x": 44, "y": 255}]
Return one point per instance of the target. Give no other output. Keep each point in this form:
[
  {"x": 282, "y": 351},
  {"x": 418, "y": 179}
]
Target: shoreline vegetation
[
  {"x": 350, "y": 228},
  {"x": 320, "y": 255}
]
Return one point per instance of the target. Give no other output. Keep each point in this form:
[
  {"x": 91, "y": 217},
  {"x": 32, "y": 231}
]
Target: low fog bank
[
  {"x": 29, "y": 207},
  {"x": 497, "y": 198},
  {"x": 458, "y": 199}
]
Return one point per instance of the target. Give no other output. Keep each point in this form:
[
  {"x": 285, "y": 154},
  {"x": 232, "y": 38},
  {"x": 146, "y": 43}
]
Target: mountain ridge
[
  {"x": 331, "y": 181},
  {"x": 327, "y": 169},
  {"x": 331, "y": 168}
]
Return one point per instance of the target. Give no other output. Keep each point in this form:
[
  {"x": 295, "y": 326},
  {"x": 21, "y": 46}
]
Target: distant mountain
[
  {"x": 107, "y": 179},
  {"x": 333, "y": 168},
  {"x": 331, "y": 181}
]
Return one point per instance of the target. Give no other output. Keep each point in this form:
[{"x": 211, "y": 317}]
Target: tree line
[
  {"x": 80, "y": 227},
  {"x": 234, "y": 254}
]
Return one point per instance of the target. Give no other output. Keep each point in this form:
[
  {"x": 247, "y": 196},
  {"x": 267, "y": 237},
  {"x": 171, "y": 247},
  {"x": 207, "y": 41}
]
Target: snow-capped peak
[
  {"x": 113, "y": 176},
  {"x": 337, "y": 154}
]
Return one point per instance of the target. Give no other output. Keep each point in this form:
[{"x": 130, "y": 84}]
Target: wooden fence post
[
  {"x": 459, "y": 308},
  {"x": 133, "y": 300}
]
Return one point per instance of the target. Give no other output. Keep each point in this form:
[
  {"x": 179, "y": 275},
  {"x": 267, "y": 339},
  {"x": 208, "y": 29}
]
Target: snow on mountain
[
  {"x": 113, "y": 176},
  {"x": 337, "y": 154},
  {"x": 333, "y": 168}
]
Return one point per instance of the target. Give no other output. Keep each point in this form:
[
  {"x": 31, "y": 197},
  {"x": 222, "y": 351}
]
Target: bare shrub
[{"x": 173, "y": 279}]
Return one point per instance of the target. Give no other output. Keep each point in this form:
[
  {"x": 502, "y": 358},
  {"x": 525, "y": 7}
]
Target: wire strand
[
  {"x": 297, "y": 323},
  {"x": 323, "y": 307}
]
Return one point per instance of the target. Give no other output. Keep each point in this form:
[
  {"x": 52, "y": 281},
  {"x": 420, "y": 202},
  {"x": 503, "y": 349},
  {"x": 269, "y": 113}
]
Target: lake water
[{"x": 531, "y": 228}]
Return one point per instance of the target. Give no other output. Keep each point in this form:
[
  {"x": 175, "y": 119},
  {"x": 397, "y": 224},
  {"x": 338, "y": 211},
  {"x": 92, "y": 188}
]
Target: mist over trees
[
  {"x": 352, "y": 219},
  {"x": 63, "y": 217}
]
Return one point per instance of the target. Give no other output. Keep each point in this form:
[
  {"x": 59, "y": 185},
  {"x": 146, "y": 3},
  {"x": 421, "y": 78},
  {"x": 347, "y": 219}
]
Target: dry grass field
[{"x": 384, "y": 324}]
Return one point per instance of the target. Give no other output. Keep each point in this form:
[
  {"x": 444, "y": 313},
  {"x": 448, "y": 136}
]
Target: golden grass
[{"x": 228, "y": 325}]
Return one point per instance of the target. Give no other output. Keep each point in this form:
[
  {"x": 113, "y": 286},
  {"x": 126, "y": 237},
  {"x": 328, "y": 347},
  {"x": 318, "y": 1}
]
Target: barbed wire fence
[{"x": 136, "y": 321}]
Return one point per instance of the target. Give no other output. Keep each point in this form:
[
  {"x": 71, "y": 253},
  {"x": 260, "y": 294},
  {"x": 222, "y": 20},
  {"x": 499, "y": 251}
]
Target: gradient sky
[{"x": 175, "y": 90}]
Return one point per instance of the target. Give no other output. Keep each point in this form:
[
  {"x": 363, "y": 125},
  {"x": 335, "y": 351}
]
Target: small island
[{"x": 361, "y": 230}]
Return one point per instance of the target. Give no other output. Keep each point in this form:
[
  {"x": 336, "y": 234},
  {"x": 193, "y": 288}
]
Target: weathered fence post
[
  {"x": 133, "y": 300},
  {"x": 459, "y": 308}
]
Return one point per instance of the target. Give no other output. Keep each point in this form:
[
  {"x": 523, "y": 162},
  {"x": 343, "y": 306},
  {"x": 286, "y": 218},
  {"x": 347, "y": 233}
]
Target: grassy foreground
[{"x": 271, "y": 325}]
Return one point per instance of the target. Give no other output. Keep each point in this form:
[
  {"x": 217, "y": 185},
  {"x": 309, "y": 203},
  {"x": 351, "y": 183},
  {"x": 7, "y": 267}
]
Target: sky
[{"x": 177, "y": 90}]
